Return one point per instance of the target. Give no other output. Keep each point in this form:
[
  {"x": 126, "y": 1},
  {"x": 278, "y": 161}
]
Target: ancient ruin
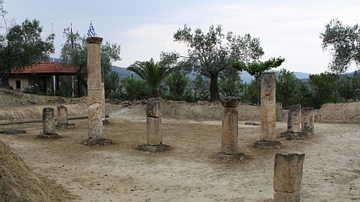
[
  {"x": 62, "y": 118},
  {"x": 154, "y": 135},
  {"x": 48, "y": 124},
  {"x": 229, "y": 137},
  {"x": 300, "y": 122},
  {"x": 103, "y": 109},
  {"x": 288, "y": 171},
  {"x": 307, "y": 120},
  {"x": 95, "y": 108},
  {"x": 268, "y": 112}
]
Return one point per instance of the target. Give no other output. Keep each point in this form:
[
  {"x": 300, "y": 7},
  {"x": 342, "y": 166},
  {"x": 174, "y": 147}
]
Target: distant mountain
[
  {"x": 123, "y": 72},
  {"x": 246, "y": 77}
]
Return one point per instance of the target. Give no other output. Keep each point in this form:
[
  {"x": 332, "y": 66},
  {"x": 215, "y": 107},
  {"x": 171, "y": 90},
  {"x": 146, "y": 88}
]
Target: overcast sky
[{"x": 144, "y": 28}]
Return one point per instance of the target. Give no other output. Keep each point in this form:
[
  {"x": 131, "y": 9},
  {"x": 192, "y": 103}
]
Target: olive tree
[
  {"x": 212, "y": 52},
  {"x": 344, "y": 42}
]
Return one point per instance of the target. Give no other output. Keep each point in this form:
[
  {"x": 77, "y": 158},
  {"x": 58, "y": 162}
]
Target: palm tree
[{"x": 152, "y": 73}]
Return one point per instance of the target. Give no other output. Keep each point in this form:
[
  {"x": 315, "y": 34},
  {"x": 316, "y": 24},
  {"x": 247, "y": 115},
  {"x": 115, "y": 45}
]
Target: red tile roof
[{"x": 46, "y": 68}]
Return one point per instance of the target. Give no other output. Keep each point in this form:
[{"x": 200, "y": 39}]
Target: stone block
[
  {"x": 307, "y": 120},
  {"x": 294, "y": 119},
  {"x": 288, "y": 171},
  {"x": 153, "y": 107},
  {"x": 268, "y": 107},
  {"x": 287, "y": 197},
  {"x": 95, "y": 121},
  {"x": 62, "y": 117},
  {"x": 229, "y": 140},
  {"x": 230, "y": 101},
  {"x": 48, "y": 121},
  {"x": 154, "y": 134}
]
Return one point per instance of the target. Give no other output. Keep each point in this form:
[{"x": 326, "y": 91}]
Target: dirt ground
[{"x": 70, "y": 171}]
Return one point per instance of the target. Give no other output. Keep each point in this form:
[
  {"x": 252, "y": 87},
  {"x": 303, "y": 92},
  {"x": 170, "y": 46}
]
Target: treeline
[{"x": 316, "y": 91}]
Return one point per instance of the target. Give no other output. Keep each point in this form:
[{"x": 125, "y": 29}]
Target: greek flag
[{"x": 91, "y": 31}]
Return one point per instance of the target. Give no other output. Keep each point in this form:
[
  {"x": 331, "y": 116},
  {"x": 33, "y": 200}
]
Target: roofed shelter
[{"x": 40, "y": 74}]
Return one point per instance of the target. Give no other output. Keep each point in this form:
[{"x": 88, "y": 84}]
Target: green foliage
[
  {"x": 323, "y": 87},
  {"x": 152, "y": 73},
  {"x": 33, "y": 89},
  {"x": 22, "y": 47},
  {"x": 133, "y": 89},
  {"x": 177, "y": 83},
  {"x": 230, "y": 84},
  {"x": 210, "y": 53},
  {"x": 255, "y": 69},
  {"x": 111, "y": 83},
  {"x": 286, "y": 87},
  {"x": 74, "y": 53},
  {"x": 348, "y": 88},
  {"x": 249, "y": 93},
  {"x": 344, "y": 41}
]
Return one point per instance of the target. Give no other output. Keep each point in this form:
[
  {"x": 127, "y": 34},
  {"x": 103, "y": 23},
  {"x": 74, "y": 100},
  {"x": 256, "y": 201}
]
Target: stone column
[
  {"x": 229, "y": 138},
  {"x": 294, "y": 119},
  {"x": 294, "y": 123},
  {"x": 94, "y": 98},
  {"x": 48, "y": 124},
  {"x": 287, "y": 177},
  {"x": 103, "y": 107},
  {"x": 154, "y": 134},
  {"x": 62, "y": 118},
  {"x": 268, "y": 112},
  {"x": 307, "y": 120}
]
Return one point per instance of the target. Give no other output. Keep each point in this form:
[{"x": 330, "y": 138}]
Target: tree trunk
[
  {"x": 79, "y": 85},
  {"x": 214, "y": 89},
  {"x": 5, "y": 82}
]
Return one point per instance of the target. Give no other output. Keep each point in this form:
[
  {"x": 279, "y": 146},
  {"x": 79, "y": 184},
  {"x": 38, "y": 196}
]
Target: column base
[
  {"x": 154, "y": 148},
  {"x": 268, "y": 144},
  {"x": 105, "y": 122},
  {"x": 97, "y": 142},
  {"x": 49, "y": 136},
  {"x": 230, "y": 157},
  {"x": 12, "y": 132},
  {"x": 287, "y": 197},
  {"x": 65, "y": 125},
  {"x": 294, "y": 136}
]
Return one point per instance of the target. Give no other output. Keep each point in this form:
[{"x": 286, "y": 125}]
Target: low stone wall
[
  {"x": 22, "y": 110},
  {"x": 339, "y": 113},
  {"x": 206, "y": 111},
  {"x": 34, "y": 112}
]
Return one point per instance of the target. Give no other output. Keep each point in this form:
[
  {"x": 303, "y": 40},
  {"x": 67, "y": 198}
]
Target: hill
[{"x": 246, "y": 77}]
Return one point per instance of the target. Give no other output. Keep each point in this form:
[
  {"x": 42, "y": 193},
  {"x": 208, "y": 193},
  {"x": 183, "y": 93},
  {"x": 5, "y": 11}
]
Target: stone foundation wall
[
  {"x": 339, "y": 113},
  {"x": 206, "y": 111}
]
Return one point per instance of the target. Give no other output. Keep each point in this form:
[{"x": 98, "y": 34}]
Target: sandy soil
[{"x": 189, "y": 171}]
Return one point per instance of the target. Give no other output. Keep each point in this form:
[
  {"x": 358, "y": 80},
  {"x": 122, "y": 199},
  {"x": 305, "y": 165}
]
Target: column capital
[
  {"x": 94, "y": 40},
  {"x": 230, "y": 101}
]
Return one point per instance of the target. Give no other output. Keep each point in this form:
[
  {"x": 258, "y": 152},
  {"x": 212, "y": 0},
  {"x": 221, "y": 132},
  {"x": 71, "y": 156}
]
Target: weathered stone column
[
  {"x": 62, "y": 118},
  {"x": 294, "y": 119},
  {"x": 307, "y": 120},
  {"x": 103, "y": 107},
  {"x": 229, "y": 138},
  {"x": 294, "y": 123},
  {"x": 268, "y": 112},
  {"x": 94, "y": 98},
  {"x": 48, "y": 124},
  {"x": 154, "y": 134},
  {"x": 287, "y": 177}
]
